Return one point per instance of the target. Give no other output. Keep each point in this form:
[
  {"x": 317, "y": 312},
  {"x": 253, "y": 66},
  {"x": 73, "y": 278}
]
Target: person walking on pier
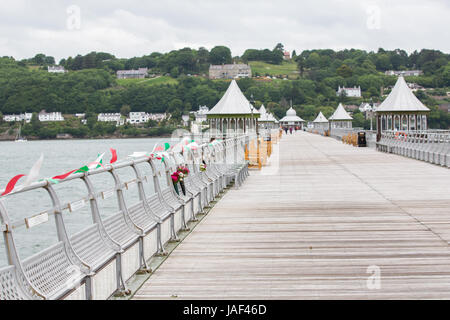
[
  {"x": 285, "y": 129},
  {"x": 290, "y": 130}
]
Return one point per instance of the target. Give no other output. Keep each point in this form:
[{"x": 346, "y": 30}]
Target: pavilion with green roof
[
  {"x": 401, "y": 110},
  {"x": 233, "y": 113}
]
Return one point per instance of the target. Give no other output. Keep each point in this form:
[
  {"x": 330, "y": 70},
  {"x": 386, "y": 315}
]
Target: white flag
[
  {"x": 34, "y": 171},
  {"x": 97, "y": 163}
]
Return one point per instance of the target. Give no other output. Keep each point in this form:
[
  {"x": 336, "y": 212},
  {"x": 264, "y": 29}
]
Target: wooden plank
[{"x": 310, "y": 224}]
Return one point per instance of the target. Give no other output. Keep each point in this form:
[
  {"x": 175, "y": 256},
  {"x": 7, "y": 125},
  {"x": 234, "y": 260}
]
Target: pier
[
  {"x": 238, "y": 213},
  {"x": 320, "y": 221}
]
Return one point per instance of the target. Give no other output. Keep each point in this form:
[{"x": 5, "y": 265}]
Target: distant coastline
[{"x": 12, "y": 138}]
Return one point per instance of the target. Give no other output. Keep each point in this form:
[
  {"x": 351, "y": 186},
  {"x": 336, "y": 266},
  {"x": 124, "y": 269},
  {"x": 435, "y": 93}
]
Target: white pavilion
[
  {"x": 266, "y": 119},
  {"x": 292, "y": 120},
  {"x": 340, "y": 119},
  {"x": 321, "y": 122},
  {"x": 401, "y": 110},
  {"x": 233, "y": 113}
]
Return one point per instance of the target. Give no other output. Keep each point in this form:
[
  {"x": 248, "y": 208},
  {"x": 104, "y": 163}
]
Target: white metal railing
[
  {"x": 97, "y": 261},
  {"x": 429, "y": 145}
]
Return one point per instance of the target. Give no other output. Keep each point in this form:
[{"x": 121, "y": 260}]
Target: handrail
[
  {"x": 427, "y": 145},
  {"x": 225, "y": 165}
]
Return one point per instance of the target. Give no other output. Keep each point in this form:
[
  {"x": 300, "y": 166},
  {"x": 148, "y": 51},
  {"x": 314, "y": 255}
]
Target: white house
[
  {"x": 138, "y": 117},
  {"x": 349, "y": 92},
  {"x": 159, "y": 116},
  {"x": 51, "y": 116},
  {"x": 56, "y": 69},
  {"x": 111, "y": 117},
  {"x": 365, "y": 107},
  {"x": 405, "y": 73},
  {"x": 230, "y": 71},
  {"x": 18, "y": 117},
  {"x": 141, "y": 73},
  {"x": 200, "y": 115}
]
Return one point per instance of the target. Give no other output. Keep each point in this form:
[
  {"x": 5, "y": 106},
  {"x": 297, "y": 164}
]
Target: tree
[
  {"x": 125, "y": 110},
  {"x": 89, "y": 61},
  {"x": 279, "y": 47},
  {"x": 174, "y": 105},
  {"x": 220, "y": 55},
  {"x": 39, "y": 59},
  {"x": 49, "y": 60},
  {"x": 203, "y": 55},
  {"x": 344, "y": 71},
  {"x": 313, "y": 60},
  {"x": 301, "y": 65},
  {"x": 35, "y": 123},
  {"x": 174, "y": 72},
  {"x": 358, "y": 120}
]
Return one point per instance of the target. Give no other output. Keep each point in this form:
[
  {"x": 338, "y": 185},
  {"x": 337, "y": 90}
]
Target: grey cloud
[{"x": 133, "y": 28}]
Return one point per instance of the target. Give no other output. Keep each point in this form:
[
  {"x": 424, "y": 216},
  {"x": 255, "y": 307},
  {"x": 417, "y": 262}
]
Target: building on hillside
[
  {"x": 18, "y": 117},
  {"x": 138, "y": 117},
  {"x": 401, "y": 110},
  {"x": 406, "y": 73},
  {"x": 365, "y": 107},
  {"x": 230, "y": 71},
  {"x": 291, "y": 120},
  {"x": 351, "y": 107},
  {"x": 159, "y": 116},
  {"x": 141, "y": 73},
  {"x": 111, "y": 117},
  {"x": 415, "y": 87},
  {"x": 56, "y": 69},
  {"x": 201, "y": 114},
  {"x": 340, "y": 119},
  {"x": 349, "y": 92},
  {"x": 232, "y": 114},
  {"x": 286, "y": 55},
  {"x": 368, "y": 109},
  {"x": 50, "y": 116},
  {"x": 197, "y": 125},
  {"x": 445, "y": 107}
]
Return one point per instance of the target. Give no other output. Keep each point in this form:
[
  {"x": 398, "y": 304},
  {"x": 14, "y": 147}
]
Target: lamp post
[
  {"x": 257, "y": 137},
  {"x": 371, "y": 115}
]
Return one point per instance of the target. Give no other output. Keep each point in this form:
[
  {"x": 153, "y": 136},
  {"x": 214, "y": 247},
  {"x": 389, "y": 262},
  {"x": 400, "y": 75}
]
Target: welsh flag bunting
[
  {"x": 32, "y": 176},
  {"x": 93, "y": 165},
  {"x": 161, "y": 148},
  {"x": 11, "y": 184},
  {"x": 97, "y": 163},
  {"x": 159, "y": 152},
  {"x": 63, "y": 176},
  {"x": 114, "y": 156}
]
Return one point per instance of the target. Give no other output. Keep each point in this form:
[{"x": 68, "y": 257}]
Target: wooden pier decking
[{"x": 311, "y": 229}]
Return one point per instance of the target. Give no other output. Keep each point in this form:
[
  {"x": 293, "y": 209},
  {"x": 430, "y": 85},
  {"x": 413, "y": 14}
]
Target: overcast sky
[{"x": 129, "y": 28}]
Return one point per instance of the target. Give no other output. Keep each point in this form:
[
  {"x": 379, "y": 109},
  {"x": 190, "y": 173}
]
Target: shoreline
[{"x": 90, "y": 138}]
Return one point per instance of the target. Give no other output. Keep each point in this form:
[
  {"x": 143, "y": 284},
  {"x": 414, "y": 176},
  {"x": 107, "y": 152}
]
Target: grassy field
[
  {"x": 263, "y": 68},
  {"x": 147, "y": 82}
]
